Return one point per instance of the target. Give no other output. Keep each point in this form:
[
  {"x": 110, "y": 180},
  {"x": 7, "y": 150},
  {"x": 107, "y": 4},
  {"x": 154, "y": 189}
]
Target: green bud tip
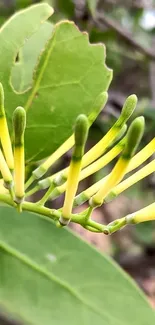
[
  {"x": 129, "y": 107},
  {"x": 81, "y": 130},
  {"x": 1, "y": 97},
  {"x": 98, "y": 105},
  {"x": 19, "y": 123},
  {"x": 102, "y": 98},
  {"x": 122, "y": 131},
  {"x": 134, "y": 136}
]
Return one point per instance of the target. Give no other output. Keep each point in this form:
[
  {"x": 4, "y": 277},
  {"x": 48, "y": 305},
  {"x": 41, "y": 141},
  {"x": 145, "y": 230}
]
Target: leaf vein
[{"x": 25, "y": 260}]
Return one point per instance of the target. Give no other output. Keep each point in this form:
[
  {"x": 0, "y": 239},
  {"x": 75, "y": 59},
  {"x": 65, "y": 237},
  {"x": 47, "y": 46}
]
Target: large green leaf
[
  {"x": 70, "y": 75},
  {"x": 49, "y": 276},
  {"x": 22, "y": 72}
]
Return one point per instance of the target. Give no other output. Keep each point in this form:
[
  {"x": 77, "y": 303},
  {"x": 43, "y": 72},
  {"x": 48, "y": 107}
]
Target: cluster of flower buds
[{"x": 118, "y": 141}]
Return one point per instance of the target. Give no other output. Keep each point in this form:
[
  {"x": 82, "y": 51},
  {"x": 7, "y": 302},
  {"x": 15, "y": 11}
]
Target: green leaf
[
  {"x": 70, "y": 75},
  {"x": 49, "y": 276},
  {"x": 22, "y": 72}
]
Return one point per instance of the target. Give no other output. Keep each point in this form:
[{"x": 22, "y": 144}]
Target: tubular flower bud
[
  {"x": 4, "y": 133},
  {"x": 101, "y": 146},
  {"x": 145, "y": 214},
  {"x": 94, "y": 167},
  {"x": 142, "y": 173},
  {"x": 133, "y": 138},
  {"x": 7, "y": 176},
  {"x": 136, "y": 161},
  {"x": 19, "y": 124},
  {"x": 80, "y": 134},
  {"x": 118, "y": 129}
]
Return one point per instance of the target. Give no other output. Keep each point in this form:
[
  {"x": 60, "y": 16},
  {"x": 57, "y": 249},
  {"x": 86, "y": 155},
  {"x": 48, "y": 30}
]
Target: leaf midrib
[
  {"x": 25, "y": 260},
  {"x": 37, "y": 83},
  {"x": 38, "y": 80}
]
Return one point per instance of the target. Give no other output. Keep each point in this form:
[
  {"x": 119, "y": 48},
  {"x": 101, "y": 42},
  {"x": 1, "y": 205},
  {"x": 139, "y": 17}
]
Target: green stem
[
  {"x": 29, "y": 182},
  {"x": 92, "y": 229},
  {"x": 19, "y": 207},
  {"x": 116, "y": 225},
  {"x": 47, "y": 195},
  {"x": 96, "y": 225},
  {"x": 88, "y": 214},
  {"x": 54, "y": 214},
  {"x": 32, "y": 191},
  {"x": 11, "y": 191}
]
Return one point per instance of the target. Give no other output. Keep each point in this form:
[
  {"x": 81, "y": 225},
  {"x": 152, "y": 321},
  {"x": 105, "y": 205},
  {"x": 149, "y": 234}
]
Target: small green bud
[
  {"x": 134, "y": 136},
  {"x": 80, "y": 134},
  {"x": 120, "y": 135},
  {"x": 122, "y": 132},
  {"x": 81, "y": 130},
  {"x": 100, "y": 102},
  {"x": 128, "y": 108},
  {"x": 19, "y": 124}
]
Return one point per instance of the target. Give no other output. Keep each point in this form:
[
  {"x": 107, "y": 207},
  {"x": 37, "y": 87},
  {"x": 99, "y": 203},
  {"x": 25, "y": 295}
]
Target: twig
[{"x": 102, "y": 19}]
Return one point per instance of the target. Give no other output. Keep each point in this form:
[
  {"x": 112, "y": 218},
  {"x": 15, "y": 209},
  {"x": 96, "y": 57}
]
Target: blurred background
[{"x": 127, "y": 28}]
